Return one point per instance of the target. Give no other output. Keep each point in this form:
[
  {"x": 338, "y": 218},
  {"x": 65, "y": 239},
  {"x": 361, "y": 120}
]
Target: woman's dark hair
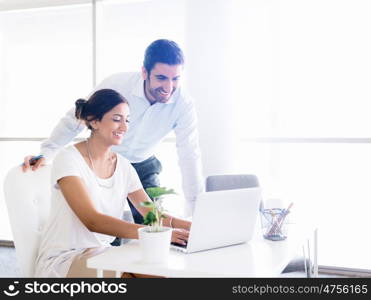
[
  {"x": 101, "y": 102},
  {"x": 162, "y": 51}
]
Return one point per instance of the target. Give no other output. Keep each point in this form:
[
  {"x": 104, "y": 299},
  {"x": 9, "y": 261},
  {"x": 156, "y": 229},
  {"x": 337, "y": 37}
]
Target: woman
[{"x": 90, "y": 187}]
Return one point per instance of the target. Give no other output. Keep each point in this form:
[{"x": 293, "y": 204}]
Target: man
[{"x": 158, "y": 105}]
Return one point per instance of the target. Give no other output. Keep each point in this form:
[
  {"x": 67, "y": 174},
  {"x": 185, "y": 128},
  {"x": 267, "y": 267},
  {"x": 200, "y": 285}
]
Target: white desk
[{"x": 257, "y": 258}]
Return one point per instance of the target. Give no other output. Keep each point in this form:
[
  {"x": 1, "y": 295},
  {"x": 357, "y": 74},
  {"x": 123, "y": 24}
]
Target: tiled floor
[{"x": 8, "y": 262}]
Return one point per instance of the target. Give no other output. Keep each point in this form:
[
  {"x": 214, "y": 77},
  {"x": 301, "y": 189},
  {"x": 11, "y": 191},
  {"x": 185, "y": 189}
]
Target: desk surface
[{"x": 257, "y": 258}]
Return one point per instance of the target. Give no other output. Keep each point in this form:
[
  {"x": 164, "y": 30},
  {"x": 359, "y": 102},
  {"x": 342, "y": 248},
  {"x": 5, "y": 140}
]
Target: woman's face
[{"x": 113, "y": 125}]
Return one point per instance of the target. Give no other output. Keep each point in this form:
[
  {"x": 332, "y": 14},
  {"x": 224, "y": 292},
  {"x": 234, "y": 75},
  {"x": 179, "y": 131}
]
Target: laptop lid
[{"x": 223, "y": 218}]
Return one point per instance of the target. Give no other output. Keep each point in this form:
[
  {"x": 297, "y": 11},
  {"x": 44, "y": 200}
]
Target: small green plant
[{"x": 155, "y": 216}]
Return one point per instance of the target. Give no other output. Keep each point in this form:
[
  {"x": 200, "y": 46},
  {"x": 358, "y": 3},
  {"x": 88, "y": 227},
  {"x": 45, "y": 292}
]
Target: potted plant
[{"x": 154, "y": 238}]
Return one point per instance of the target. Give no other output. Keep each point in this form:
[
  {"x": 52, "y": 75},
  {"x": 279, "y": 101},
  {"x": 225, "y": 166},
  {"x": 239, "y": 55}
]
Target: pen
[{"x": 34, "y": 159}]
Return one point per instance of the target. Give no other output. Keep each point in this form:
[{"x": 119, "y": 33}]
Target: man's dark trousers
[{"x": 148, "y": 172}]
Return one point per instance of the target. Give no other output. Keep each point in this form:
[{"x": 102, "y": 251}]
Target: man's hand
[{"x": 33, "y": 162}]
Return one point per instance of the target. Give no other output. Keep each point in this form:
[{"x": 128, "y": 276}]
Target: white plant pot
[{"x": 155, "y": 246}]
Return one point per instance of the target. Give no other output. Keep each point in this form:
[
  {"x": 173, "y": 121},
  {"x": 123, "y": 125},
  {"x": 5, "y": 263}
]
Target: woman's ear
[{"x": 94, "y": 125}]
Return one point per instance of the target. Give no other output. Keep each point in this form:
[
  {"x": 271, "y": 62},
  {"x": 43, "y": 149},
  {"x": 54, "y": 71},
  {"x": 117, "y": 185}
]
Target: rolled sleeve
[{"x": 65, "y": 131}]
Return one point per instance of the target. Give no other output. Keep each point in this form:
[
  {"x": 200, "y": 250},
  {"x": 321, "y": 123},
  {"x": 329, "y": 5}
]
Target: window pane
[
  {"x": 303, "y": 67},
  {"x": 127, "y": 28},
  {"x": 45, "y": 65},
  {"x": 25, "y": 4},
  {"x": 325, "y": 68},
  {"x": 328, "y": 184},
  {"x": 332, "y": 183}
]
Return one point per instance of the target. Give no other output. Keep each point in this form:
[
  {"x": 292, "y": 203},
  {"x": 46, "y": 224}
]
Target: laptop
[{"x": 222, "y": 218}]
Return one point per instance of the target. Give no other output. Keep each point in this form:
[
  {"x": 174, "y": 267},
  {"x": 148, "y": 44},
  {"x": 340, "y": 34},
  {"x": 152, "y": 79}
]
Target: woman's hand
[
  {"x": 187, "y": 225},
  {"x": 179, "y": 236}
]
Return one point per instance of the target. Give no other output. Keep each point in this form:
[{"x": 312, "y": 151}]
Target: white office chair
[{"x": 27, "y": 197}]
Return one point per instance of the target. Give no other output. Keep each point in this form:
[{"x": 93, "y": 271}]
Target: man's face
[{"x": 162, "y": 82}]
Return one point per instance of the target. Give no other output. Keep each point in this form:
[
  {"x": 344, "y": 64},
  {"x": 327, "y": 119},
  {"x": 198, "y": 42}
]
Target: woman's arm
[
  {"x": 171, "y": 221},
  {"x": 183, "y": 226},
  {"x": 140, "y": 196},
  {"x": 77, "y": 197}
]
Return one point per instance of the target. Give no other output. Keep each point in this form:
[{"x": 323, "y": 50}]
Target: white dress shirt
[{"x": 149, "y": 124}]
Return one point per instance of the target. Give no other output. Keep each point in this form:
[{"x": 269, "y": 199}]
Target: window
[
  {"x": 126, "y": 28},
  {"x": 302, "y": 70},
  {"x": 45, "y": 64}
]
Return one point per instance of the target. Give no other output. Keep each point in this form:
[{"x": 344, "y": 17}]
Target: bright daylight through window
[{"x": 299, "y": 86}]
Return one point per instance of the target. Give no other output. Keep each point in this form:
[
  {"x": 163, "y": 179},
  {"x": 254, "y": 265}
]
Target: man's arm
[
  {"x": 67, "y": 129},
  {"x": 189, "y": 155}
]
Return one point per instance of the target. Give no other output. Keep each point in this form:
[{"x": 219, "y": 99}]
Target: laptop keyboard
[{"x": 180, "y": 245}]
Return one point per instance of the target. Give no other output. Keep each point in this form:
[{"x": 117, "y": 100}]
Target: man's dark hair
[
  {"x": 101, "y": 102},
  {"x": 162, "y": 51}
]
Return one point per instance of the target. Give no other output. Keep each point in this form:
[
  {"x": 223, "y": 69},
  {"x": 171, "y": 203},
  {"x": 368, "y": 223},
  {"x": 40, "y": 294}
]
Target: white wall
[{"x": 211, "y": 83}]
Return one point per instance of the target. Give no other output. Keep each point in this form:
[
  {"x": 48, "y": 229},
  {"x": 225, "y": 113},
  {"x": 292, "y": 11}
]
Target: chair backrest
[
  {"x": 27, "y": 196},
  {"x": 230, "y": 182}
]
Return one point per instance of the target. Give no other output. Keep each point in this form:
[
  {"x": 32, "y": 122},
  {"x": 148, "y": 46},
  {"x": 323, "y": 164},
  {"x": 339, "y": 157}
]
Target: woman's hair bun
[{"x": 80, "y": 105}]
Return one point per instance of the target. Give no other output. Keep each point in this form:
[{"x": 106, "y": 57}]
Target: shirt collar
[{"x": 138, "y": 91}]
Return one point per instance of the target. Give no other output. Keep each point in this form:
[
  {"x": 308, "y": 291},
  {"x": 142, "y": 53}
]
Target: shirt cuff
[{"x": 48, "y": 155}]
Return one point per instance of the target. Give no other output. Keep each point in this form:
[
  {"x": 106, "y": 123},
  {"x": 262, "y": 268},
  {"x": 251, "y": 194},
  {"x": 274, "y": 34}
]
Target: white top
[
  {"x": 149, "y": 124},
  {"x": 65, "y": 236}
]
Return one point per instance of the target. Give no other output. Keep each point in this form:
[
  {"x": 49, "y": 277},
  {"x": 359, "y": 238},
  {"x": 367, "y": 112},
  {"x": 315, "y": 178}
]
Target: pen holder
[{"x": 274, "y": 223}]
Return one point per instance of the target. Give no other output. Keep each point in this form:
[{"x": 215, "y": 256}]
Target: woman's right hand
[
  {"x": 179, "y": 236},
  {"x": 28, "y": 164}
]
